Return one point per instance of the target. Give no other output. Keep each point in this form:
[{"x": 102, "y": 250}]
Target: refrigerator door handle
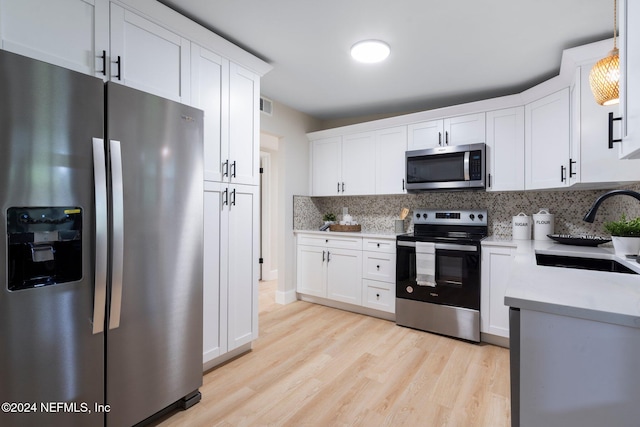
[
  {"x": 102, "y": 241},
  {"x": 117, "y": 255}
]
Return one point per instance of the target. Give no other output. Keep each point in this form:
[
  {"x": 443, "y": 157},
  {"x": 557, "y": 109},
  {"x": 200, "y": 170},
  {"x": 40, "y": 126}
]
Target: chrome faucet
[{"x": 590, "y": 216}]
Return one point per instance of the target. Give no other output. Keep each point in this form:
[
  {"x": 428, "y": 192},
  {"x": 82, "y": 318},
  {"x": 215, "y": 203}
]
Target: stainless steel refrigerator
[{"x": 101, "y": 200}]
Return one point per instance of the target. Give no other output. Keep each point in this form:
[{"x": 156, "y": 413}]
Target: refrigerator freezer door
[
  {"x": 49, "y": 354},
  {"x": 154, "y": 353}
]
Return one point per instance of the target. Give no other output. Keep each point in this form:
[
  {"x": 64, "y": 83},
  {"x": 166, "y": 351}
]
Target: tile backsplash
[{"x": 376, "y": 214}]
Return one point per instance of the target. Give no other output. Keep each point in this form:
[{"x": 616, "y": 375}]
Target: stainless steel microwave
[{"x": 456, "y": 167}]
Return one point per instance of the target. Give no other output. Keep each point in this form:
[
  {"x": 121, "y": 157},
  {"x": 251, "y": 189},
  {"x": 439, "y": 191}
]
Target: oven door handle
[
  {"x": 455, "y": 247},
  {"x": 446, "y": 246}
]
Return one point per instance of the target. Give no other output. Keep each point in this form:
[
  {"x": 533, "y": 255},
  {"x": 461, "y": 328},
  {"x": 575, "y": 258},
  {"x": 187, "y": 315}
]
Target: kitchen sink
[{"x": 582, "y": 263}]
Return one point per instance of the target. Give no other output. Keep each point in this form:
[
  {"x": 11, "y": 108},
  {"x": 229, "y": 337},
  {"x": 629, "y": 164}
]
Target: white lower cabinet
[
  {"x": 344, "y": 275},
  {"x": 496, "y": 264},
  {"x": 352, "y": 270},
  {"x": 330, "y": 267},
  {"x": 230, "y": 282},
  {"x": 379, "y": 295},
  {"x": 312, "y": 277}
]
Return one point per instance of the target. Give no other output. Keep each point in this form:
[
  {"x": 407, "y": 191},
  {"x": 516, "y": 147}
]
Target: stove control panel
[{"x": 459, "y": 217}]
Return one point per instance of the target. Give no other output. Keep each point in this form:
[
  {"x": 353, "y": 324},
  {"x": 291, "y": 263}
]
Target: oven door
[{"x": 457, "y": 275}]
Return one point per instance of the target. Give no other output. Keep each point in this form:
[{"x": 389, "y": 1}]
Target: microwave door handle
[{"x": 466, "y": 166}]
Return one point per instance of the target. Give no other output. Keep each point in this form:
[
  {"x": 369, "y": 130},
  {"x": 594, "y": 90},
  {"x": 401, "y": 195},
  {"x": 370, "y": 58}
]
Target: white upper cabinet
[
  {"x": 505, "y": 149},
  {"x": 210, "y": 93},
  {"x": 547, "y": 141},
  {"x": 467, "y": 129},
  {"x": 593, "y": 163},
  {"x": 148, "y": 57},
  {"x": 425, "y": 135},
  {"x": 460, "y": 130},
  {"x": 242, "y": 159},
  {"x": 229, "y": 96},
  {"x": 630, "y": 78},
  {"x": 391, "y": 145},
  {"x": 358, "y": 164},
  {"x": 68, "y": 33},
  {"x": 326, "y": 166}
]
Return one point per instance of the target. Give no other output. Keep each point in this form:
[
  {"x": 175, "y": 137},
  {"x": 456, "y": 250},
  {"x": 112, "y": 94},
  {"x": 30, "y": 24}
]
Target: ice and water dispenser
[{"x": 45, "y": 246}]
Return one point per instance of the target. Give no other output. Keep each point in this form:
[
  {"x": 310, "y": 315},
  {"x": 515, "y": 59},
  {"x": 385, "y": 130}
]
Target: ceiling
[{"x": 442, "y": 52}]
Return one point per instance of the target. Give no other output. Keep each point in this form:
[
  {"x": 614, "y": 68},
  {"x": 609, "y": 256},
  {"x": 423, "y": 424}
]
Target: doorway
[{"x": 268, "y": 207}]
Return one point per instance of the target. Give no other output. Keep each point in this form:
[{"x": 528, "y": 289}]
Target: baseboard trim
[{"x": 286, "y": 297}]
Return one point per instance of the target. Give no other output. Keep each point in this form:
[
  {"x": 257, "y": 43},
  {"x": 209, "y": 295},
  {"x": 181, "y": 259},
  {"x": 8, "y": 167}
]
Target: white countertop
[
  {"x": 592, "y": 295},
  {"x": 365, "y": 234}
]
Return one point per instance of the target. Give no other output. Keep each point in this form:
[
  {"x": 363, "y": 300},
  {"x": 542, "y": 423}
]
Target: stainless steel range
[{"x": 438, "y": 272}]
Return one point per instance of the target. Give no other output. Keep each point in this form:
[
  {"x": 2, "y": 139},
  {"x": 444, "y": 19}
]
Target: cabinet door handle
[
  {"x": 611, "y": 140},
  {"x": 225, "y": 197},
  {"x": 439, "y": 138},
  {"x": 233, "y": 169},
  {"x": 338, "y": 187},
  {"x": 489, "y": 180},
  {"x": 563, "y": 177},
  {"x": 104, "y": 63},
  {"x": 571, "y": 172},
  {"x": 225, "y": 171},
  {"x": 446, "y": 138},
  {"x": 322, "y": 256},
  {"x": 119, "y": 62},
  {"x": 343, "y": 187},
  {"x": 233, "y": 197},
  {"x": 402, "y": 184},
  {"x": 328, "y": 256}
]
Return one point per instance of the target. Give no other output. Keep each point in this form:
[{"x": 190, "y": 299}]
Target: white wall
[{"x": 290, "y": 127}]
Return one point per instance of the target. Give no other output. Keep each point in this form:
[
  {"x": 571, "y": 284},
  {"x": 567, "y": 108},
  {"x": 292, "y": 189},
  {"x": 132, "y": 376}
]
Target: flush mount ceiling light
[
  {"x": 605, "y": 74},
  {"x": 370, "y": 51}
]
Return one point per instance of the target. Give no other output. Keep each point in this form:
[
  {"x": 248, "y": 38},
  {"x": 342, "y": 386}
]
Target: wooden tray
[{"x": 352, "y": 228}]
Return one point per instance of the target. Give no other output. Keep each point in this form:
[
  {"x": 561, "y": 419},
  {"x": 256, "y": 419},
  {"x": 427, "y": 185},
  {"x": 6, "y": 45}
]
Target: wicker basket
[{"x": 344, "y": 228}]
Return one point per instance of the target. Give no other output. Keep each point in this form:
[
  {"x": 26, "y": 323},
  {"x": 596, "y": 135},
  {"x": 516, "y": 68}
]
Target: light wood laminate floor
[{"x": 318, "y": 366}]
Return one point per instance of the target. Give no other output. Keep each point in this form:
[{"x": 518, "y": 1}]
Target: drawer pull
[
  {"x": 377, "y": 296},
  {"x": 378, "y": 244},
  {"x": 378, "y": 267}
]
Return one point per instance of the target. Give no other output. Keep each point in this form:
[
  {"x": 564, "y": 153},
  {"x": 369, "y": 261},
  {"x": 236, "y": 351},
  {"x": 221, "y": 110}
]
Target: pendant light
[{"x": 605, "y": 74}]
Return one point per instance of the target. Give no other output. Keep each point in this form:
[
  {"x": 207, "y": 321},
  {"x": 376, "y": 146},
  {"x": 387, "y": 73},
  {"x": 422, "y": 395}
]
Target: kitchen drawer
[
  {"x": 379, "y": 245},
  {"x": 379, "y": 295},
  {"x": 330, "y": 241},
  {"x": 379, "y": 266}
]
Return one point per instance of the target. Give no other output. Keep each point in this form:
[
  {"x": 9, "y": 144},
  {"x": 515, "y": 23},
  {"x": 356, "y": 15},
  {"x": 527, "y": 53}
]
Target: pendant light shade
[
  {"x": 604, "y": 79},
  {"x": 605, "y": 75}
]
